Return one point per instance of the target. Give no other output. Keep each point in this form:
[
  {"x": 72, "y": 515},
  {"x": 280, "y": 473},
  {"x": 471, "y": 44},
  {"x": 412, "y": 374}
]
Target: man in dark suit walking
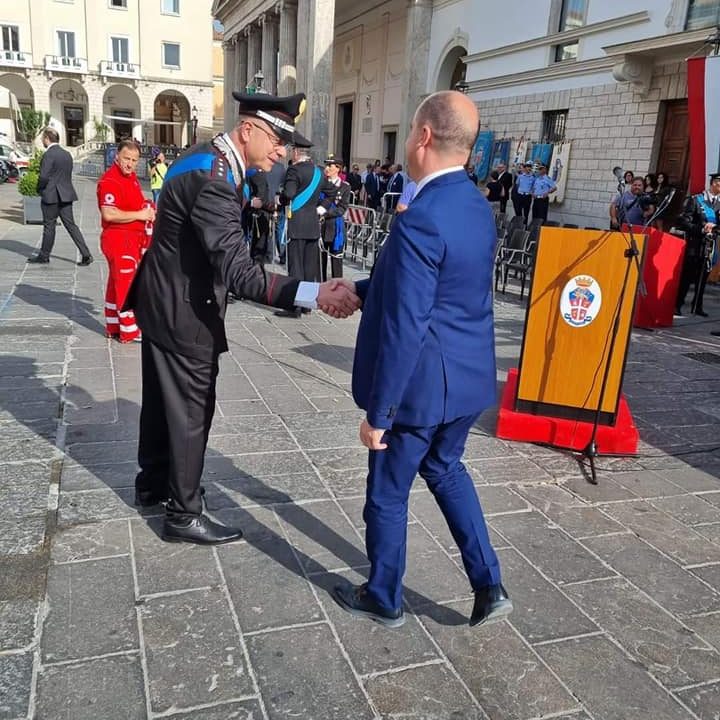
[
  {"x": 57, "y": 196},
  {"x": 373, "y": 191},
  {"x": 506, "y": 180},
  {"x": 424, "y": 364}
]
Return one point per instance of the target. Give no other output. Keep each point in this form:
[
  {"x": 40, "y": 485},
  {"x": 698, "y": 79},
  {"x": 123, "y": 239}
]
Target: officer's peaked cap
[
  {"x": 714, "y": 176},
  {"x": 281, "y": 113},
  {"x": 332, "y": 160}
]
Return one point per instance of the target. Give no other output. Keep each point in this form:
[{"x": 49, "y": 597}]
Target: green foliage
[
  {"x": 32, "y": 122},
  {"x": 101, "y": 129},
  {"x": 28, "y": 184}
]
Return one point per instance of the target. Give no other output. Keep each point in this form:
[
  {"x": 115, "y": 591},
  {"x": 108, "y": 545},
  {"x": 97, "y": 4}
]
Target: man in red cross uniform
[{"x": 124, "y": 212}]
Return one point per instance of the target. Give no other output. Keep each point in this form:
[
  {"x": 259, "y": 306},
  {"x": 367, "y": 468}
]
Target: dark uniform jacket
[
  {"x": 197, "y": 255},
  {"x": 304, "y": 223},
  {"x": 55, "y": 181},
  {"x": 692, "y": 222},
  {"x": 336, "y": 201}
]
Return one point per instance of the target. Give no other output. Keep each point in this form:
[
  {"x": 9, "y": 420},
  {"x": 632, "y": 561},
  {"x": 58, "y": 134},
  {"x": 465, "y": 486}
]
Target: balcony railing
[
  {"x": 111, "y": 68},
  {"x": 64, "y": 63},
  {"x": 14, "y": 58}
]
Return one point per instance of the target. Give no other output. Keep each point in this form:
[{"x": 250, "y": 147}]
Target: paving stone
[
  {"x": 261, "y": 466},
  {"x": 704, "y": 701},
  {"x": 97, "y": 477},
  {"x": 541, "y": 612},
  {"x": 710, "y": 574},
  {"x": 646, "y": 484},
  {"x": 104, "y": 453},
  {"x": 86, "y": 542},
  {"x": 344, "y": 470},
  {"x": 689, "y": 509},
  {"x": 607, "y": 490},
  {"x": 508, "y": 469},
  {"x": 677, "y": 590},
  {"x": 278, "y": 594},
  {"x": 506, "y": 677},
  {"x": 103, "y": 688},
  {"x": 423, "y": 692},
  {"x": 245, "y": 710},
  {"x": 691, "y": 479},
  {"x": 302, "y": 674},
  {"x": 323, "y": 536},
  {"x": 166, "y": 567},
  {"x": 17, "y": 623},
  {"x": 91, "y": 610},
  {"x": 255, "y": 441},
  {"x": 664, "y": 533},
  {"x": 194, "y": 655},
  {"x": 608, "y": 684},
  {"x": 95, "y": 506},
  {"x": 246, "y": 490},
  {"x": 664, "y": 647},
  {"x": 15, "y": 681},
  {"x": 234, "y": 408},
  {"x": 22, "y": 536},
  {"x": 373, "y": 647},
  {"x": 331, "y": 403},
  {"x": 711, "y": 532},
  {"x": 549, "y": 549},
  {"x": 707, "y": 627}
]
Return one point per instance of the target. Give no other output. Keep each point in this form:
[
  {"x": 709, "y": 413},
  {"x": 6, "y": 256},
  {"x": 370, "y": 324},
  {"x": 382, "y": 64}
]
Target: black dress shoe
[
  {"x": 38, "y": 259},
  {"x": 356, "y": 600},
  {"x": 198, "y": 529},
  {"x": 86, "y": 260},
  {"x": 289, "y": 313},
  {"x": 701, "y": 313},
  {"x": 492, "y": 604}
]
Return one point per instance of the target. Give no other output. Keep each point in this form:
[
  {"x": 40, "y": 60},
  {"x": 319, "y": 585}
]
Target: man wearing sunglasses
[{"x": 179, "y": 296}]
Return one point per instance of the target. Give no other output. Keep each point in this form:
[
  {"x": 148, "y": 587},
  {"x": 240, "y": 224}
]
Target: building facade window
[
  {"x": 170, "y": 7},
  {"x": 10, "y": 38},
  {"x": 572, "y": 16},
  {"x": 119, "y": 4},
  {"x": 702, "y": 14},
  {"x": 66, "y": 43},
  {"x": 554, "y": 124},
  {"x": 171, "y": 55},
  {"x": 120, "y": 50}
]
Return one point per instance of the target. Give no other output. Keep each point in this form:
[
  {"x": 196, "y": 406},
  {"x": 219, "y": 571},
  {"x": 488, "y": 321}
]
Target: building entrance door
[
  {"x": 343, "y": 133},
  {"x": 74, "y": 117},
  {"x": 675, "y": 153},
  {"x": 123, "y": 128}
]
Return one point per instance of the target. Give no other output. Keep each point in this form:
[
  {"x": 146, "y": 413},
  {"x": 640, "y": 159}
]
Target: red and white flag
[{"x": 703, "y": 119}]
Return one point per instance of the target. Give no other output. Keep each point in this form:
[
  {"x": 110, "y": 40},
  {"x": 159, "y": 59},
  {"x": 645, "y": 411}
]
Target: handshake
[{"x": 338, "y": 298}]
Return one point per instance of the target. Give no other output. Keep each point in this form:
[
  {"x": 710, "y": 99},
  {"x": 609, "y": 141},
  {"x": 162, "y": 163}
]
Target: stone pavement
[{"x": 616, "y": 587}]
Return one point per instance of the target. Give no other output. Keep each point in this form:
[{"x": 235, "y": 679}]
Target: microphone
[{"x": 662, "y": 207}]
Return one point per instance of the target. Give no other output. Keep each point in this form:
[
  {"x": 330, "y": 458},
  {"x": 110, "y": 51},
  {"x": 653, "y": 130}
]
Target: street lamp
[{"x": 194, "y": 124}]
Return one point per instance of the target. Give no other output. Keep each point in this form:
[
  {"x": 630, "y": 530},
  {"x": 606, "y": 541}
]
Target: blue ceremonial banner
[
  {"x": 500, "y": 153},
  {"x": 481, "y": 154},
  {"x": 541, "y": 153}
]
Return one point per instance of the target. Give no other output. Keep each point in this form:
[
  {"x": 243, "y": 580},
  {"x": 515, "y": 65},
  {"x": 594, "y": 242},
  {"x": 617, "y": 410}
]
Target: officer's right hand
[{"x": 147, "y": 214}]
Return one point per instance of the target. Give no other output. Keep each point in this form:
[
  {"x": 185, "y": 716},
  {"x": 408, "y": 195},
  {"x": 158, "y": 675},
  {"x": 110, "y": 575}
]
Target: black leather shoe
[
  {"x": 86, "y": 260},
  {"x": 198, "y": 529},
  {"x": 38, "y": 259},
  {"x": 492, "y": 604},
  {"x": 701, "y": 313},
  {"x": 289, "y": 313},
  {"x": 356, "y": 600}
]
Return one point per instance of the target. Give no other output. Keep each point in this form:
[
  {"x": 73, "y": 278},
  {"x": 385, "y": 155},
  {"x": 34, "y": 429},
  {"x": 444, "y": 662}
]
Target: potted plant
[{"x": 28, "y": 188}]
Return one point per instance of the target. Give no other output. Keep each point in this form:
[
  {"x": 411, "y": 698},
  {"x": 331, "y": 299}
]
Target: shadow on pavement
[{"x": 262, "y": 537}]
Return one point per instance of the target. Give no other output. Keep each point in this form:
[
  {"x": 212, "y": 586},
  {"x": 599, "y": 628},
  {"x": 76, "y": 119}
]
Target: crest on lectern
[{"x": 580, "y": 301}]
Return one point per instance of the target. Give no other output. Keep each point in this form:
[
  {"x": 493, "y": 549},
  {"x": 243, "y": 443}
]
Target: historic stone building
[
  {"x": 606, "y": 76},
  {"x": 143, "y": 70},
  {"x": 362, "y": 64}
]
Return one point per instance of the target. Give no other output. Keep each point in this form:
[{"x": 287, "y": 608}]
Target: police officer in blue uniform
[
  {"x": 522, "y": 191},
  {"x": 543, "y": 186},
  {"x": 179, "y": 296}
]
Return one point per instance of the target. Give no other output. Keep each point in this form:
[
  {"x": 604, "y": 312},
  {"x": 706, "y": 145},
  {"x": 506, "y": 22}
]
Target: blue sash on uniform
[
  {"x": 712, "y": 217},
  {"x": 302, "y": 199}
]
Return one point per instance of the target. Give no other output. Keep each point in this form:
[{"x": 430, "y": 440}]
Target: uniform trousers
[
  {"x": 51, "y": 212},
  {"x": 540, "y": 208},
  {"x": 303, "y": 256},
  {"x": 122, "y": 249},
  {"x": 524, "y": 203},
  {"x": 336, "y": 264},
  {"x": 694, "y": 272},
  {"x": 435, "y": 453},
  {"x": 178, "y": 403},
  {"x": 259, "y": 233}
]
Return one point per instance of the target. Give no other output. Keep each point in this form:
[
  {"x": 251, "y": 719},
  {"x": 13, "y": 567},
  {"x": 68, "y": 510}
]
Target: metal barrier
[{"x": 360, "y": 227}]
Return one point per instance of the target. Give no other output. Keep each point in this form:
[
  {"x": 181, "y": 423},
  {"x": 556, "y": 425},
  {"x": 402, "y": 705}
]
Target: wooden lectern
[{"x": 576, "y": 299}]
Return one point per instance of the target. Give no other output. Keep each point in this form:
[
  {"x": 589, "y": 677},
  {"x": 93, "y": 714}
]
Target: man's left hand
[{"x": 372, "y": 437}]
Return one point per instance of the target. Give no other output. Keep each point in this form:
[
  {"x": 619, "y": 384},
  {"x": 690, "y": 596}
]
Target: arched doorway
[
  {"x": 20, "y": 88},
  {"x": 69, "y": 111},
  {"x": 171, "y": 113},
  {"x": 452, "y": 69},
  {"x": 121, "y": 113}
]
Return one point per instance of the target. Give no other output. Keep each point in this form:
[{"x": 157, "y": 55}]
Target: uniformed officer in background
[
  {"x": 522, "y": 191},
  {"x": 332, "y": 207},
  {"x": 259, "y": 209},
  {"x": 543, "y": 186},
  {"x": 179, "y": 295}
]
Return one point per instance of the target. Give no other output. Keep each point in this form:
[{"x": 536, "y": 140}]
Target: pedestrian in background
[{"x": 158, "y": 171}]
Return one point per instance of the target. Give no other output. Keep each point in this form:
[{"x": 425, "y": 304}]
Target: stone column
[
  {"x": 316, "y": 32},
  {"x": 228, "y": 79},
  {"x": 269, "y": 51},
  {"x": 241, "y": 62},
  {"x": 417, "y": 49},
  {"x": 287, "y": 47},
  {"x": 254, "y": 52}
]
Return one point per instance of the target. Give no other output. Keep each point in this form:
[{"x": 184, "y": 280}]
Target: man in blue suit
[{"x": 425, "y": 364}]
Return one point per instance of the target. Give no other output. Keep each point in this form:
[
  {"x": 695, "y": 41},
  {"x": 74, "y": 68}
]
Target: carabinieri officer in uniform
[{"x": 179, "y": 297}]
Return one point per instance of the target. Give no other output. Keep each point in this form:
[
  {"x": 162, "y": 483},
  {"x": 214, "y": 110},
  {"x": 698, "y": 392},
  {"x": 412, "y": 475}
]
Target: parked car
[
  {"x": 9, "y": 170},
  {"x": 16, "y": 156}
]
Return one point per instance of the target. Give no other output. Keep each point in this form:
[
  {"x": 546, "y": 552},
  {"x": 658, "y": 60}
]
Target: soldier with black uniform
[
  {"x": 301, "y": 191},
  {"x": 699, "y": 220},
  {"x": 333, "y": 204},
  {"x": 258, "y": 212},
  {"x": 179, "y": 295}
]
